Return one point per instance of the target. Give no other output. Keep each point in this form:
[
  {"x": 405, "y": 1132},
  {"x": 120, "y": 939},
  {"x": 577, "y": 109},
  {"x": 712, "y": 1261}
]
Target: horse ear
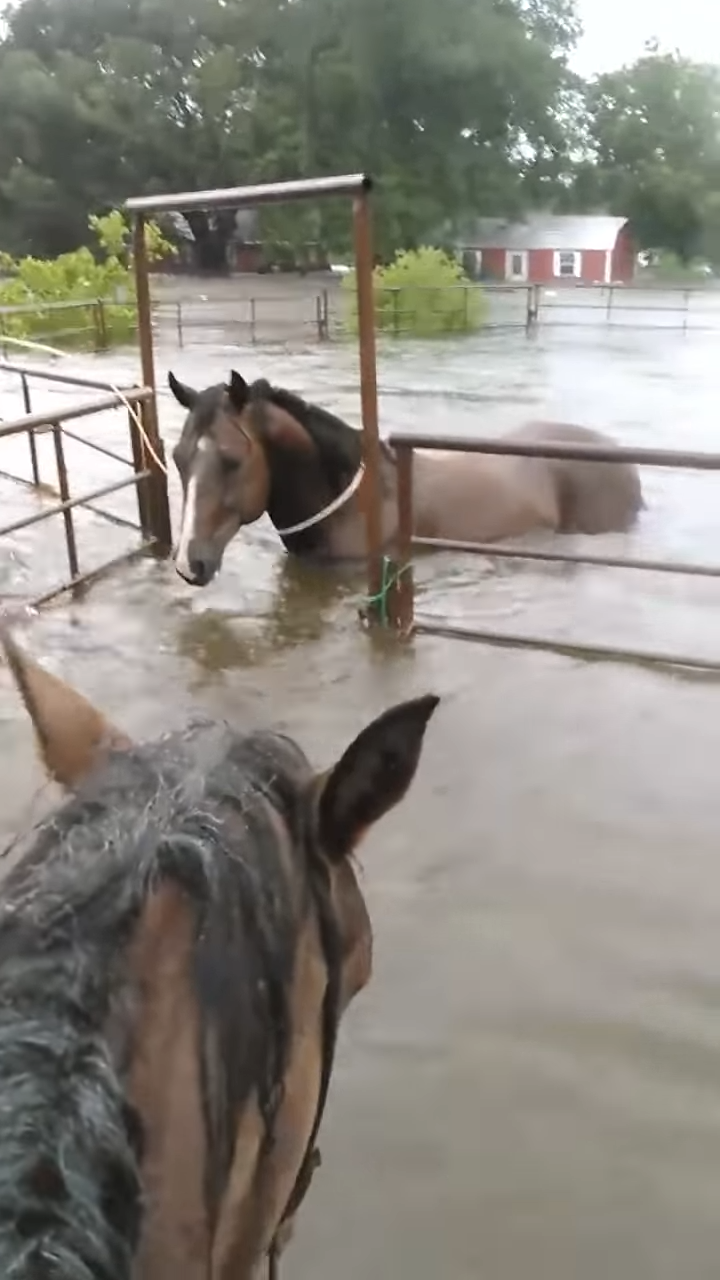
[
  {"x": 184, "y": 395},
  {"x": 71, "y": 734},
  {"x": 237, "y": 391},
  {"x": 372, "y": 775}
]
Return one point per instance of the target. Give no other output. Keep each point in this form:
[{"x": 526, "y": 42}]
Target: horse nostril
[{"x": 200, "y": 569}]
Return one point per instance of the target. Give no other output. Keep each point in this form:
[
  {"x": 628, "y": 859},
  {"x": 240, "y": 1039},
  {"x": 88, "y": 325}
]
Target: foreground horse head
[
  {"x": 250, "y": 448},
  {"x": 177, "y": 944}
]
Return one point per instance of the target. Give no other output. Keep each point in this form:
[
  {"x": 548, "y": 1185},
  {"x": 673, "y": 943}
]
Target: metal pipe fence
[
  {"x": 147, "y": 478},
  {"x": 271, "y": 318},
  {"x": 93, "y": 327},
  {"x": 325, "y": 312},
  {"x": 401, "y": 610},
  {"x": 466, "y": 307}
]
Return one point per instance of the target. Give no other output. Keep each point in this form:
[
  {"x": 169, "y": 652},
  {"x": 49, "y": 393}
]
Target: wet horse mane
[
  {"x": 338, "y": 444},
  {"x": 196, "y": 811}
]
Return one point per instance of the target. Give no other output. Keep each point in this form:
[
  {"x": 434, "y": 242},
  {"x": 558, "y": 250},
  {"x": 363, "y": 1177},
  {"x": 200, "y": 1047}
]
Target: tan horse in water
[
  {"x": 245, "y": 450},
  {"x": 177, "y": 945}
]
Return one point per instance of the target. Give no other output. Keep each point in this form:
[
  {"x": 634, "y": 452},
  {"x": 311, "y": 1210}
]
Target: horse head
[
  {"x": 224, "y": 474},
  {"x": 250, "y": 448},
  {"x": 202, "y": 885}
]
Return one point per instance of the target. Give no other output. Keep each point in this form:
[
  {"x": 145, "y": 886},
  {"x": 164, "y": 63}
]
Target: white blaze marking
[{"x": 189, "y": 514}]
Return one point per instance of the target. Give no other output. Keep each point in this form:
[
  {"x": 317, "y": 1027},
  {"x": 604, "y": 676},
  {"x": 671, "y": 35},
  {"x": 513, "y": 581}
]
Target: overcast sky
[{"x": 616, "y": 30}]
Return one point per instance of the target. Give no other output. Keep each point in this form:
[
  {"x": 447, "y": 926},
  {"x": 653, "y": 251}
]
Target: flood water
[{"x": 531, "y": 1085}]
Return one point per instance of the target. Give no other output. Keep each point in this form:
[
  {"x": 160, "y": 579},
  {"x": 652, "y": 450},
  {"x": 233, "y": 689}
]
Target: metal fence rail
[
  {"x": 402, "y": 598},
  {"x": 148, "y": 474},
  {"x": 533, "y": 306},
  {"x": 254, "y": 319},
  {"x": 323, "y": 311},
  {"x": 89, "y": 319}
]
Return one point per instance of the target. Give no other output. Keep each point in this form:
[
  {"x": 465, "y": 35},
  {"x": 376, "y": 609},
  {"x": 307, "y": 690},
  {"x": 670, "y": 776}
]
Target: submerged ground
[{"x": 531, "y": 1086}]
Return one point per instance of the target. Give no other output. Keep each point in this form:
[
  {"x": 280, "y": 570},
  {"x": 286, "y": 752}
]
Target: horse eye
[{"x": 229, "y": 464}]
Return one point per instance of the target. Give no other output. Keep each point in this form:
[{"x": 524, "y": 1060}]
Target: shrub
[
  {"x": 424, "y": 293},
  {"x": 62, "y": 294},
  {"x": 669, "y": 269}
]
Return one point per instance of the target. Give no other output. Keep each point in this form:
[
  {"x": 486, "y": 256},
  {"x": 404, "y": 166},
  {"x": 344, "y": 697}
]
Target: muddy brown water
[{"x": 531, "y": 1085}]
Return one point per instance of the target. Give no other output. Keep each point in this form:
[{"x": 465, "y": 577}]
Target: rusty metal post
[
  {"x": 159, "y": 508},
  {"x": 64, "y": 490},
  {"x": 362, "y": 227},
  {"x": 143, "y": 487},
  {"x": 31, "y": 433},
  {"x": 144, "y": 307},
  {"x": 403, "y": 601}
]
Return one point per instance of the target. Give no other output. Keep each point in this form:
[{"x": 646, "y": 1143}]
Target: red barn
[{"x": 549, "y": 249}]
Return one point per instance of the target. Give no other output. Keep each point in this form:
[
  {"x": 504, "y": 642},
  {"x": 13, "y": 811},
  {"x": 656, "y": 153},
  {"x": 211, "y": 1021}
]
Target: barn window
[
  {"x": 516, "y": 264},
  {"x": 567, "y": 264}
]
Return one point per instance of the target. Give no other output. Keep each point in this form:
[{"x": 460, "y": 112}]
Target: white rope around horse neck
[{"x": 329, "y": 510}]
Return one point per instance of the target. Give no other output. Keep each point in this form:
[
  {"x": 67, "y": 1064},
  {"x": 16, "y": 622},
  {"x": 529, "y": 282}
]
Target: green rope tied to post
[{"x": 390, "y": 577}]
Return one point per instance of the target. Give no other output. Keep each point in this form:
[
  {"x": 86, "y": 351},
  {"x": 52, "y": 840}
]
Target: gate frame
[
  {"x": 402, "y": 598},
  {"x": 358, "y": 188}
]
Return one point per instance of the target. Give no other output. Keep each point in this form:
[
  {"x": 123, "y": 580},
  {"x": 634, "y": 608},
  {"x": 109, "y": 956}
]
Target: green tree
[
  {"x": 449, "y": 105},
  {"x": 457, "y": 108},
  {"x": 38, "y": 285},
  {"x": 655, "y": 130}
]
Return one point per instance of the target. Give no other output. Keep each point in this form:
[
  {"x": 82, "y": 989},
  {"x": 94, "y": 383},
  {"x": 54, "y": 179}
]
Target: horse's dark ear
[
  {"x": 184, "y": 395},
  {"x": 237, "y": 391},
  {"x": 373, "y": 775}
]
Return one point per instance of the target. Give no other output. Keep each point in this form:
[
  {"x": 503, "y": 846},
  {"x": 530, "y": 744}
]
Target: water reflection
[{"x": 297, "y": 608}]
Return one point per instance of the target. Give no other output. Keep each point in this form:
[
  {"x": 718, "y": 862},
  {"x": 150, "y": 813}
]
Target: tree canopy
[
  {"x": 655, "y": 133},
  {"x": 462, "y": 108}
]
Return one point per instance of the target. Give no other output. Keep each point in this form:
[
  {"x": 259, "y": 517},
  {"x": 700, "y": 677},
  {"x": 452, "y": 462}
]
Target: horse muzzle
[{"x": 198, "y": 566}]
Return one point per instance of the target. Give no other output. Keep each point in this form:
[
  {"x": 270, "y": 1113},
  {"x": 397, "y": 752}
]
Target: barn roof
[{"x": 544, "y": 231}]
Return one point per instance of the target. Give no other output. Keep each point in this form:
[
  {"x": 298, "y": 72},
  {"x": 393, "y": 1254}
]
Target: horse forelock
[
  {"x": 221, "y": 816},
  {"x": 204, "y": 412}
]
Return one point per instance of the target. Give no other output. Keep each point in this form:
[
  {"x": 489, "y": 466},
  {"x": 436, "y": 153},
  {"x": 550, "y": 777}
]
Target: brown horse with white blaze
[
  {"x": 178, "y": 942},
  {"x": 250, "y": 449}
]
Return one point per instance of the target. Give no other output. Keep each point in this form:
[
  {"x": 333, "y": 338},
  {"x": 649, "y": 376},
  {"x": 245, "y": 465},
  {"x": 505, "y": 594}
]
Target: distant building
[
  {"x": 550, "y": 249},
  {"x": 244, "y": 250}
]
